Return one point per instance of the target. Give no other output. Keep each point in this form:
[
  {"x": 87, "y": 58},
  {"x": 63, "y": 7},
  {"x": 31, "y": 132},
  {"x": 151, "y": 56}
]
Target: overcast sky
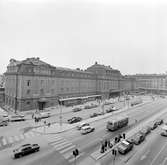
[{"x": 128, "y": 35}]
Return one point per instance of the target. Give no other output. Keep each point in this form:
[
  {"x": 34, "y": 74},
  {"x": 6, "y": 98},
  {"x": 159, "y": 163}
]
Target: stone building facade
[
  {"x": 155, "y": 83},
  {"x": 33, "y": 81}
]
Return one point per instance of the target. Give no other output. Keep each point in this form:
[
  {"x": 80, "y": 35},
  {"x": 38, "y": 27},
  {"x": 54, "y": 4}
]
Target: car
[
  {"x": 74, "y": 120},
  {"x": 137, "y": 138},
  {"x": 159, "y": 121},
  {"x": 25, "y": 150},
  {"x": 87, "y": 129},
  {"x": 16, "y": 118},
  {"x": 153, "y": 126},
  {"x": 109, "y": 110},
  {"x": 164, "y": 133},
  {"x": 76, "y": 109},
  {"x": 94, "y": 115},
  {"x": 79, "y": 127},
  {"x": 3, "y": 123},
  {"x": 145, "y": 131},
  {"x": 124, "y": 147},
  {"x": 90, "y": 106},
  {"x": 6, "y": 117}
]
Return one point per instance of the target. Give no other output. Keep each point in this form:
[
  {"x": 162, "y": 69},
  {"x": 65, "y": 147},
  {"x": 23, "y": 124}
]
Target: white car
[
  {"x": 87, "y": 129},
  {"x": 79, "y": 127}
]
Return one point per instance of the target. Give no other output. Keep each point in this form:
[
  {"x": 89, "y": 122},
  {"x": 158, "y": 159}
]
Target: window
[
  {"x": 28, "y": 102},
  {"x": 28, "y": 82},
  {"x": 41, "y": 91},
  {"x": 28, "y": 91}
]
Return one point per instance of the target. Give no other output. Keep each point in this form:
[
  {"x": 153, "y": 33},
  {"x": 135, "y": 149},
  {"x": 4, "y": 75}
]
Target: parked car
[
  {"x": 145, "y": 131},
  {"x": 87, "y": 129},
  {"x": 124, "y": 147},
  {"x": 76, "y": 109},
  {"x": 164, "y": 133},
  {"x": 25, "y": 150},
  {"x": 74, "y": 120},
  {"x": 137, "y": 138},
  {"x": 6, "y": 117},
  {"x": 42, "y": 115},
  {"x": 90, "y": 106},
  {"x": 79, "y": 127},
  {"x": 3, "y": 123},
  {"x": 94, "y": 115},
  {"x": 16, "y": 118},
  {"x": 153, "y": 126},
  {"x": 159, "y": 121},
  {"x": 110, "y": 110}
]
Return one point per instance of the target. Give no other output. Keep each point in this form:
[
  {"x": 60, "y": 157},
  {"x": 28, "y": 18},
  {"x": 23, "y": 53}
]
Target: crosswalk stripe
[
  {"x": 64, "y": 146},
  {"x": 21, "y": 136},
  {"x": 10, "y": 139},
  {"x": 73, "y": 159},
  {"x": 54, "y": 138},
  {"x": 67, "y": 149},
  {"x": 68, "y": 155},
  {"x": 16, "y": 138},
  {"x": 57, "y": 142},
  {"x": 58, "y": 145},
  {"x": 4, "y": 141}
]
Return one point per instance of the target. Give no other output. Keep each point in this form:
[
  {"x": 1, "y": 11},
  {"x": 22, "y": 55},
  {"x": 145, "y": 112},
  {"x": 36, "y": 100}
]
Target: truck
[{"x": 117, "y": 123}]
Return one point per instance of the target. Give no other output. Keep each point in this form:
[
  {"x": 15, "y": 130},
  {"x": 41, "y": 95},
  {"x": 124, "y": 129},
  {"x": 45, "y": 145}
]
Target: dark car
[
  {"x": 137, "y": 138},
  {"x": 3, "y": 123},
  {"x": 159, "y": 121},
  {"x": 124, "y": 147},
  {"x": 164, "y": 133},
  {"x": 94, "y": 115},
  {"x": 74, "y": 120},
  {"x": 16, "y": 118},
  {"x": 25, "y": 150},
  {"x": 76, "y": 109},
  {"x": 109, "y": 110}
]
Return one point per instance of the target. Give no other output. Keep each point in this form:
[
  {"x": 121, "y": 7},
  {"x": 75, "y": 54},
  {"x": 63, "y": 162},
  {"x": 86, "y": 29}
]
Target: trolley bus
[{"x": 117, "y": 123}]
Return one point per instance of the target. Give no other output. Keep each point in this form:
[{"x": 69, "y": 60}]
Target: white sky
[{"x": 128, "y": 35}]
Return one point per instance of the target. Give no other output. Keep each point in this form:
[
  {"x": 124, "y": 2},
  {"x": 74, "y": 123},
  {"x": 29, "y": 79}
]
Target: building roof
[{"x": 99, "y": 66}]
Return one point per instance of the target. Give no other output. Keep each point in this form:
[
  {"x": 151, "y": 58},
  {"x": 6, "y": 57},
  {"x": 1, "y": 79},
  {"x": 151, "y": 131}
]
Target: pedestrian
[
  {"x": 102, "y": 148},
  {"x": 105, "y": 144},
  {"x": 49, "y": 124}
]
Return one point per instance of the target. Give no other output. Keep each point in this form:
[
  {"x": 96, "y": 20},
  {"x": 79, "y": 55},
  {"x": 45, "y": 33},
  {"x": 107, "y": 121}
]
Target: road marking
[
  {"x": 31, "y": 134},
  {"x": 57, "y": 142},
  {"x": 21, "y": 136},
  {"x": 16, "y": 138},
  {"x": 64, "y": 146},
  {"x": 4, "y": 141},
  {"x": 10, "y": 139},
  {"x": 52, "y": 139},
  {"x": 145, "y": 155},
  {"x": 158, "y": 154},
  {"x": 67, "y": 149},
  {"x": 58, "y": 145},
  {"x": 164, "y": 161}
]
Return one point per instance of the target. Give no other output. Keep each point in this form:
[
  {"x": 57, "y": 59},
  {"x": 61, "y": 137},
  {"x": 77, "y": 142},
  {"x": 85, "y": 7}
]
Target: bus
[{"x": 117, "y": 123}]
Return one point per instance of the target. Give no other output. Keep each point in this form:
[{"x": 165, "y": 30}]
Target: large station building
[{"x": 32, "y": 82}]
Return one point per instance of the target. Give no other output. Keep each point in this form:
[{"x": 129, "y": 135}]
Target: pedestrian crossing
[
  {"x": 63, "y": 146},
  {"x": 5, "y": 141}
]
